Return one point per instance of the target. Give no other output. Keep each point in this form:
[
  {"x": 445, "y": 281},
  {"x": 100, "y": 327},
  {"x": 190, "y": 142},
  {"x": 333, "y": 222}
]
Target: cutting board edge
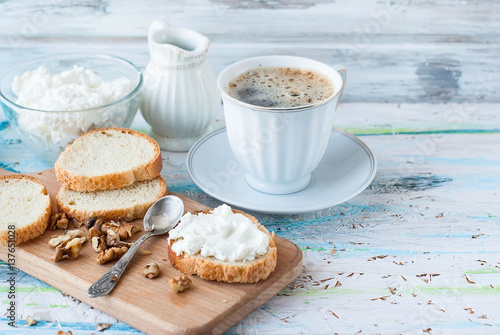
[
  {"x": 215, "y": 326},
  {"x": 230, "y": 317}
]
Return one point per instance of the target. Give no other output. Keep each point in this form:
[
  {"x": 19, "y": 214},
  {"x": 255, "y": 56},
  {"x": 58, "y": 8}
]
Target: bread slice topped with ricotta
[
  {"x": 222, "y": 244},
  {"x": 108, "y": 158},
  {"x": 25, "y": 205}
]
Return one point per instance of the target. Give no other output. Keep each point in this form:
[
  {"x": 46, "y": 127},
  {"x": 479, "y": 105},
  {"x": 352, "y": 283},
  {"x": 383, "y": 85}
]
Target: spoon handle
[{"x": 107, "y": 282}]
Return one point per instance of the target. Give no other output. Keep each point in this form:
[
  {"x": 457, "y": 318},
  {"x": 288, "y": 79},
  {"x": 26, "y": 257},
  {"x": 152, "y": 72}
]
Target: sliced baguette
[
  {"x": 25, "y": 204},
  {"x": 130, "y": 202},
  {"x": 108, "y": 158},
  {"x": 210, "y": 268}
]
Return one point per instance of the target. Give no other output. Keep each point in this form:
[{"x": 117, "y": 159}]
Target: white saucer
[{"x": 347, "y": 168}]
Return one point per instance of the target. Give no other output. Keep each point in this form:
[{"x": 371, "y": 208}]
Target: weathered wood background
[
  {"x": 396, "y": 51},
  {"x": 417, "y": 252}
]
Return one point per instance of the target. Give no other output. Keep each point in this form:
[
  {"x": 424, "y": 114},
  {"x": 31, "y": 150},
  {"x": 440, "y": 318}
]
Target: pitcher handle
[
  {"x": 155, "y": 27},
  {"x": 343, "y": 73}
]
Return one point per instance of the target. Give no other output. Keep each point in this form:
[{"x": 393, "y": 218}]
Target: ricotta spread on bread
[{"x": 223, "y": 234}]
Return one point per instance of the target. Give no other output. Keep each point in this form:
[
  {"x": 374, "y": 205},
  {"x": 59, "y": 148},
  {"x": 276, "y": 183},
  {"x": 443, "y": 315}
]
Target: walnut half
[
  {"x": 59, "y": 221},
  {"x": 122, "y": 228},
  {"x": 70, "y": 234},
  {"x": 180, "y": 283},
  {"x": 99, "y": 243},
  {"x": 55, "y": 241},
  {"x": 70, "y": 248},
  {"x": 113, "y": 240},
  {"x": 74, "y": 247},
  {"x": 151, "y": 270},
  {"x": 110, "y": 254}
]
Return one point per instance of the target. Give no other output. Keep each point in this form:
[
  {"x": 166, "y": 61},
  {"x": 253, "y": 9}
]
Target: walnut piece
[
  {"x": 30, "y": 321},
  {"x": 99, "y": 243},
  {"x": 151, "y": 270},
  {"x": 58, "y": 221},
  {"x": 59, "y": 252},
  {"x": 95, "y": 232},
  {"x": 70, "y": 234},
  {"x": 122, "y": 228},
  {"x": 74, "y": 233},
  {"x": 113, "y": 240},
  {"x": 108, "y": 238},
  {"x": 55, "y": 241},
  {"x": 100, "y": 327},
  {"x": 91, "y": 222},
  {"x": 74, "y": 247},
  {"x": 179, "y": 283},
  {"x": 77, "y": 223},
  {"x": 64, "y": 333},
  {"x": 70, "y": 248},
  {"x": 110, "y": 254}
]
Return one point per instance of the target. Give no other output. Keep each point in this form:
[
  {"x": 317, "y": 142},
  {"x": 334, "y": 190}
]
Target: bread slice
[
  {"x": 211, "y": 268},
  {"x": 108, "y": 158},
  {"x": 24, "y": 203},
  {"x": 130, "y": 202}
]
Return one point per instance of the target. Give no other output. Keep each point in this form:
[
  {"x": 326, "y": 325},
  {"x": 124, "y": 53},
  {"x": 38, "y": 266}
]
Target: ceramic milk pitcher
[{"x": 180, "y": 99}]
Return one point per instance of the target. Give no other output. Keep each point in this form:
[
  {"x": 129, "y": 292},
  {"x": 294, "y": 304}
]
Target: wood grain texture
[
  {"x": 417, "y": 229},
  {"x": 149, "y": 305},
  {"x": 395, "y": 51},
  {"x": 380, "y": 73},
  {"x": 420, "y": 239},
  {"x": 415, "y": 253},
  {"x": 229, "y": 19}
]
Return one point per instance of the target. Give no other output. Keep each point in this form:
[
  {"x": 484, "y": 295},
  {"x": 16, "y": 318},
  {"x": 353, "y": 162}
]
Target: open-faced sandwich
[{"x": 222, "y": 244}]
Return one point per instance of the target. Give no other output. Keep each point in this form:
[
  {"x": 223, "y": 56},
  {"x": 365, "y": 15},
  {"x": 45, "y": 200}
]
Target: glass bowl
[{"x": 47, "y": 133}]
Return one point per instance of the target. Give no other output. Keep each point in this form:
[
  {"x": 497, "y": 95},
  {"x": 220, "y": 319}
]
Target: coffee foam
[{"x": 280, "y": 87}]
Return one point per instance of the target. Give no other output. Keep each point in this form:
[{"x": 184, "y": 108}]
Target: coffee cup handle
[{"x": 343, "y": 73}]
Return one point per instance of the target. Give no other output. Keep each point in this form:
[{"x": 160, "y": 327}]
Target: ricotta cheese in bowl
[
  {"x": 54, "y": 100},
  {"x": 71, "y": 90}
]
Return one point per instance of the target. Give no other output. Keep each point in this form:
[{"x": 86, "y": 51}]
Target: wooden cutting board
[{"x": 148, "y": 304}]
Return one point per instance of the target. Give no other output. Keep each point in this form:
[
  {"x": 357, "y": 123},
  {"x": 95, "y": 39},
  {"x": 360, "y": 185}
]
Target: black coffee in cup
[{"x": 280, "y": 87}]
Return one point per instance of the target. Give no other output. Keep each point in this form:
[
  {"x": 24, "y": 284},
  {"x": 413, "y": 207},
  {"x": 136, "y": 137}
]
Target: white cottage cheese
[{"x": 73, "y": 90}]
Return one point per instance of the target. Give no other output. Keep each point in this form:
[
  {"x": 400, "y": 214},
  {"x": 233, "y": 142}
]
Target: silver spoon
[{"x": 161, "y": 217}]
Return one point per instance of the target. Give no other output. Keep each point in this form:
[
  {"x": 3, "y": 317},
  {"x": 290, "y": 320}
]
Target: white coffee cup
[{"x": 279, "y": 147}]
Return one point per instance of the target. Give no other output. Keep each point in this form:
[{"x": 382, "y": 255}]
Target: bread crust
[
  {"x": 34, "y": 229},
  {"x": 147, "y": 171},
  {"x": 131, "y": 212},
  {"x": 210, "y": 268}
]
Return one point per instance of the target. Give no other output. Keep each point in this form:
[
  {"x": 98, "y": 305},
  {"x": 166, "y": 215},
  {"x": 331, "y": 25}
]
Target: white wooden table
[{"x": 418, "y": 251}]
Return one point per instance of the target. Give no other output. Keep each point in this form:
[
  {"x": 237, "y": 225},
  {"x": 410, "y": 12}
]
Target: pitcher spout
[{"x": 176, "y": 47}]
